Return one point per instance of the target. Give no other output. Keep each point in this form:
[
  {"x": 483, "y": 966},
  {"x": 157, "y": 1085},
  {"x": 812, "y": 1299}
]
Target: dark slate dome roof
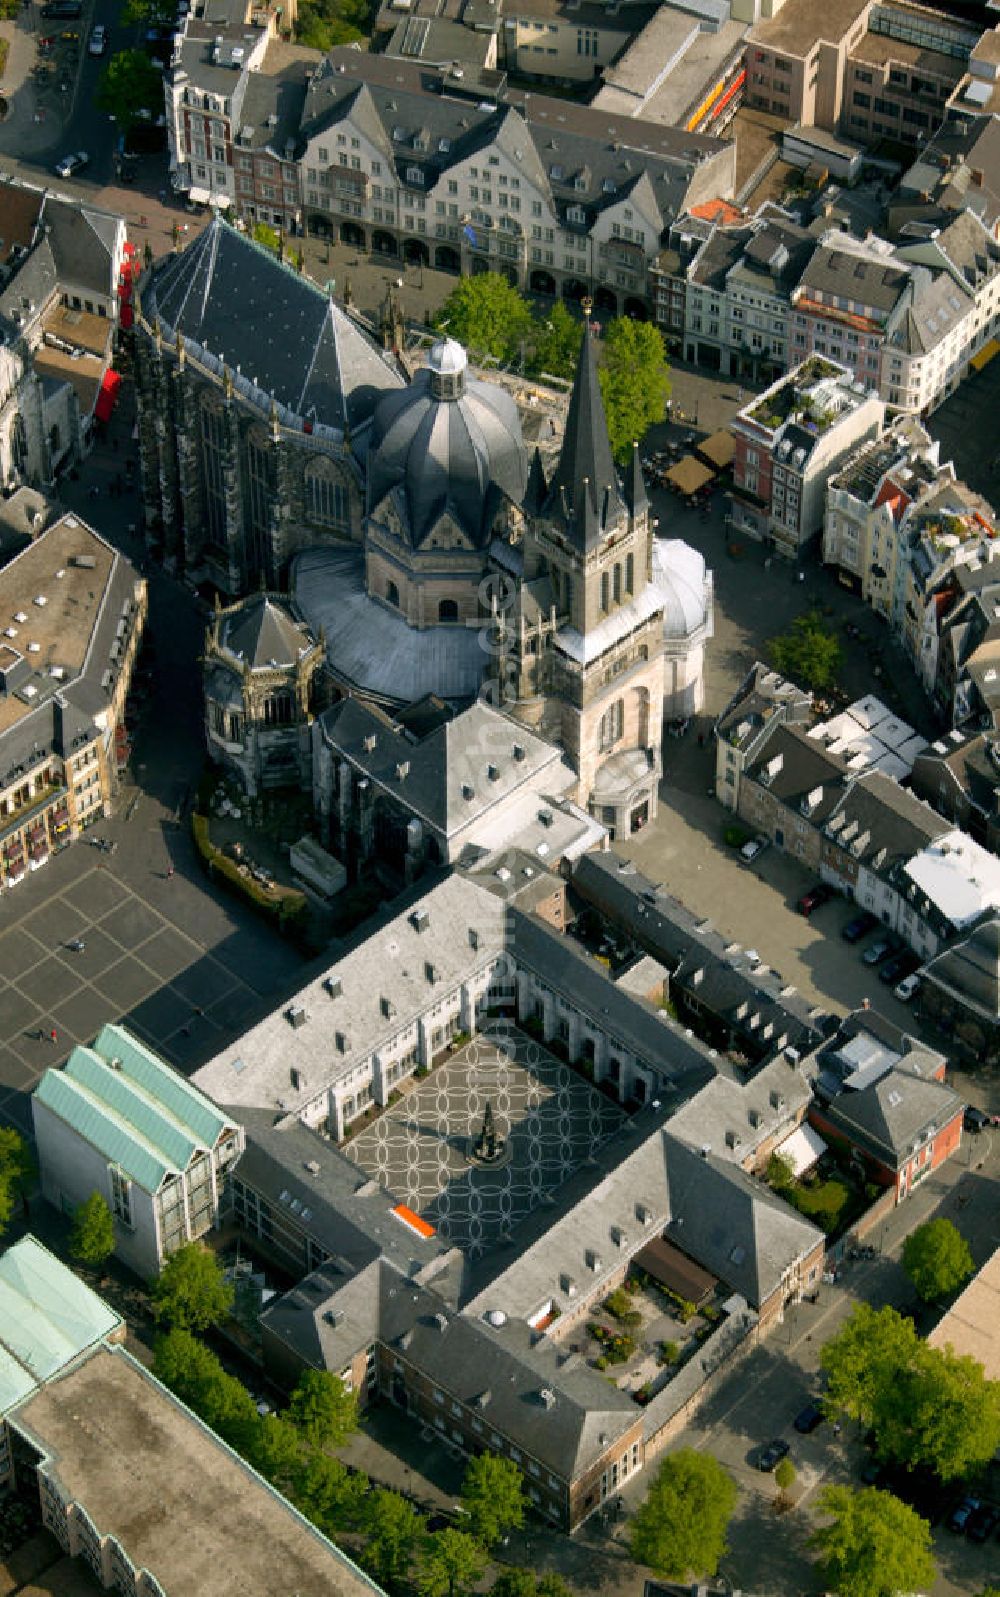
[{"x": 450, "y": 443}]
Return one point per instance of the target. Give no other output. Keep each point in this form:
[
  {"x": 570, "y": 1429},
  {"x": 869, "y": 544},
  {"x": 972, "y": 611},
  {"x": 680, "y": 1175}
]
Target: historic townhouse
[{"x": 443, "y": 167}]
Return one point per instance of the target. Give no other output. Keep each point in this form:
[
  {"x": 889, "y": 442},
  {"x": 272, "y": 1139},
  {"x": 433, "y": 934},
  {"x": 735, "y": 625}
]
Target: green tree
[
  {"x": 322, "y": 1408},
  {"x": 807, "y": 652},
  {"x": 148, "y": 12},
  {"x": 92, "y": 1235},
  {"x": 635, "y": 382},
  {"x": 680, "y": 1530},
  {"x": 321, "y": 24},
  {"x": 130, "y": 83},
  {"x": 780, "y": 1172},
  {"x": 275, "y": 1448},
  {"x": 493, "y": 1497},
  {"x": 487, "y": 315},
  {"x": 514, "y": 1582},
  {"x": 330, "y": 1495},
  {"x": 863, "y": 1359},
  {"x": 192, "y": 1291},
  {"x": 874, "y": 1546},
  {"x": 940, "y": 1413},
  {"x": 784, "y": 1475},
  {"x": 393, "y": 1530},
  {"x": 17, "y": 1171},
  {"x": 195, "y": 1375},
  {"x": 936, "y": 1258},
  {"x": 556, "y": 342},
  {"x": 452, "y": 1562},
  {"x": 552, "y": 1585}
]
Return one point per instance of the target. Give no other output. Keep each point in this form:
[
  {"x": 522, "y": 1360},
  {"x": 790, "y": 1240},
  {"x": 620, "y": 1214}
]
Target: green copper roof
[
  {"x": 47, "y": 1319},
  {"x": 132, "y": 1108}
]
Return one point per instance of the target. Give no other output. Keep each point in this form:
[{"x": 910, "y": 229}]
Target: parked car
[
  {"x": 771, "y": 1454},
  {"x": 98, "y": 41},
  {"x": 975, "y": 1119},
  {"x": 72, "y": 163},
  {"x": 983, "y": 1522},
  {"x": 872, "y": 1472},
  {"x": 958, "y": 1519},
  {"x": 63, "y": 10},
  {"x": 905, "y": 989},
  {"x": 881, "y": 948},
  {"x": 859, "y": 926},
  {"x": 810, "y": 1418},
  {"x": 817, "y": 895},
  {"x": 898, "y": 966},
  {"x": 755, "y": 846}
]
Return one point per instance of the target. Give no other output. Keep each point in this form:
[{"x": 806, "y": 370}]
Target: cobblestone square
[{"x": 550, "y": 1119}]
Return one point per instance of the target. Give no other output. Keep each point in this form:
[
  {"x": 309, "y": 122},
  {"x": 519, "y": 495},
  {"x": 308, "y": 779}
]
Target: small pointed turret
[
  {"x": 636, "y": 498},
  {"x": 537, "y": 489},
  {"x": 586, "y": 467}
]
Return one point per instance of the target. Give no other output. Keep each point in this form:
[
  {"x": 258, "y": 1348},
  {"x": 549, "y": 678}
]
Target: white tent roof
[{"x": 802, "y": 1149}]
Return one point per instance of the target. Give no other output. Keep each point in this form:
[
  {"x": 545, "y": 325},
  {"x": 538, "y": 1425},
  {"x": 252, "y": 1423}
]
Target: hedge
[{"x": 286, "y": 906}]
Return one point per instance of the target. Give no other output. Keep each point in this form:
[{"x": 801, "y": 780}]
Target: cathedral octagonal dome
[{"x": 451, "y": 444}]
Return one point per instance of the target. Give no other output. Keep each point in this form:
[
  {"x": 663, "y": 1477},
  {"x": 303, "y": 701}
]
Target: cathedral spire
[{"x": 585, "y": 479}]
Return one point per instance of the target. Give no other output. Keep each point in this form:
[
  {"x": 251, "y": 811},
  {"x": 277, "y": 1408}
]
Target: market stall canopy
[
  {"x": 689, "y": 475},
  {"x": 804, "y": 1148},
  {"x": 717, "y": 450},
  {"x": 107, "y": 395}
]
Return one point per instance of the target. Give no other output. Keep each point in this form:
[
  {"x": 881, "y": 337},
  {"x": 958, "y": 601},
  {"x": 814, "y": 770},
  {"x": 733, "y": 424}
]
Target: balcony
[{"x": 34, "y": 810}]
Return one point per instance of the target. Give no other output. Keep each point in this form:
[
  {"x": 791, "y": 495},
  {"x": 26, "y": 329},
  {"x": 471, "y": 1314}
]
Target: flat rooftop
[
  {"x": 970, "y": 1325},
  {"x": 62, "y": 625},
  {"x": 179, "y": 1502},
  {"x": 630, "y": 85},
  {"x": 800, "y": 24},
  {"x": 880, "y": 49}
]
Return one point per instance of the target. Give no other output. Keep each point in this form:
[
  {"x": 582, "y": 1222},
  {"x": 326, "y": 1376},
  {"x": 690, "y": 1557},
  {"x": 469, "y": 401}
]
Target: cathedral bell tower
[{"x": 589, "y": 534}]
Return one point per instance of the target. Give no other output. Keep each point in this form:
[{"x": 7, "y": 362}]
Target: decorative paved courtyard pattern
[{"x": 551, "y": 1120}]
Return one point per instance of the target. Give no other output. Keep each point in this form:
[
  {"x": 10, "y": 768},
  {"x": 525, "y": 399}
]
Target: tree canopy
[
  {"x": 192, "y": 1370},
  {"x": 635, "y": 382},
  {"x": 680, "y": 1530},
  {"x": 321, "y": 24},
  {"x": 16, "y": 1172},
  {"x": 936, "y": 1258},
  {"x": 874, "y": 1545},
  {"x": 493, "y": 1497},
  {"x": 191, "y": 1291},
  {"x": 452, "y": 1562},
  {"x": 130, "y": 83},
  {"x": 92, "y": 1234},
  {"x": 394, "y": 1530},
  {"x": 808, "y": 653},
  {"x": 556, "y": 346},
  {"x": 330, "y": 1494},
  {"x": 487, "y": 315},
  {"x": 323, "y": 1409},
  {"x": 784, "y": 1474},
  {"x": 928, "y": 1407}
]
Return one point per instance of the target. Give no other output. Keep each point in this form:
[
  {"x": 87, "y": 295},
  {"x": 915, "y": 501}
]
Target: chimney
[{"x": 976, "y": 177}]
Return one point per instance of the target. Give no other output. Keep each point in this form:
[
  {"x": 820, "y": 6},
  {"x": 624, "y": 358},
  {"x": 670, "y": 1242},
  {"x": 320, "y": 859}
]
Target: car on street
[
  {"x": 63, "y": 10},
  {"x": 809, "y": 1419},
  {"x": 755, "y": 846},
  {"x": 958, "y": 1519},
  {"x": 975, "y": 1119},
  {"x": 72, "y": 163},
  {"x": 882, "y": 948},
  {"x": 983, "y": 1522},
  {"x": 769, "y": 1456},
  {"x": 905, "y": 989},
  {"x": 817, "y": 895},
  {"x": 859, "y": 926},
  {"x": 98, "y": 41},
  {"x": 896, "y": 968},
  {"x": 76, "y": 945}
]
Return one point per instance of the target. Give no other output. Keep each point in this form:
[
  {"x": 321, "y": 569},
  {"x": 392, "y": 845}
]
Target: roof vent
[
  {"x": 430, "y": 971},
  {"x": 706, "y": 1149},
  {"x": 40, "y": 600},
  {"x": 312, "y": 1165},
  {"x": 483, "y": 1400},
  {"x": 519, "y": 751},
  {"x": 402, "y": 770},
  {"x": 370, "y": 741},
  {"x": 388, "y": 1008},
  {"x": 567, "y": 1286},
  {"x": 296, "y": 1016},
  {"x": 733, "y": 1139},
  {"x": 441, "y": 1321},
  {"x": 493, "y": 772},
  {"x": 643, "y": 1214},
  {"x": 592, "y": 1260},
  {"x": 115, "y": 1063},
  {"x": 333, "y": 1317},
  {"x": 546, "y": 817},
  {"x": 548, "y": 1397},
  {"x": 333, "y": 986},
  {"x": 474, "y": 939},
  {"x": 755, "y": 1117},
  {"x": 618, "y": 1236},
  {"x": 420, "y": 920},
  {"x": 468, "y": 792},
  {"x": 777, "y": 1100},
  {"x": 340, "y": 1039},
  {"x": 296, "y": 1078}
]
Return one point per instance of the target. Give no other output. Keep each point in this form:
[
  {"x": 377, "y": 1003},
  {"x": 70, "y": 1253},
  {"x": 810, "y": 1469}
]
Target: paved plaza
[{"x": 550, "y": 1119}]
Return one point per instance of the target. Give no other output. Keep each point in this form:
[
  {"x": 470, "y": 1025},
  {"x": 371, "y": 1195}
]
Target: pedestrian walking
[
  {"x": 170, "y": 872},
  {"x": 53, "y": 1035}
]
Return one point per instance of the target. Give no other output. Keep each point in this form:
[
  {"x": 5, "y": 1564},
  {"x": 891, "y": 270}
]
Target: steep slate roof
[
  {"x": 805, "y": 766},
  {"x": 584, "y": 493},
  {"x": 262, "y": 633},
  {"x": 898, "y": 823},
  {"x": 280, "y": 332},
  {"x": 448, "y": 782},
  {"x": 970, "y": 970},
  {"x": 83, "y": 241},
  {"x": 894, "y": 1114},
  {"x": 132, "y": 1108},
  {"x": 607, "y": 153},
  {"x": 872, "y": 281}
]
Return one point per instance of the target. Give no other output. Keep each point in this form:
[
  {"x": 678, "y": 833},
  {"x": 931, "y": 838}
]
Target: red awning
[
  {"x": 125, "y": 290},
  {"x": 108, "y": 394},
  {"x": 126, "y": 317}
]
